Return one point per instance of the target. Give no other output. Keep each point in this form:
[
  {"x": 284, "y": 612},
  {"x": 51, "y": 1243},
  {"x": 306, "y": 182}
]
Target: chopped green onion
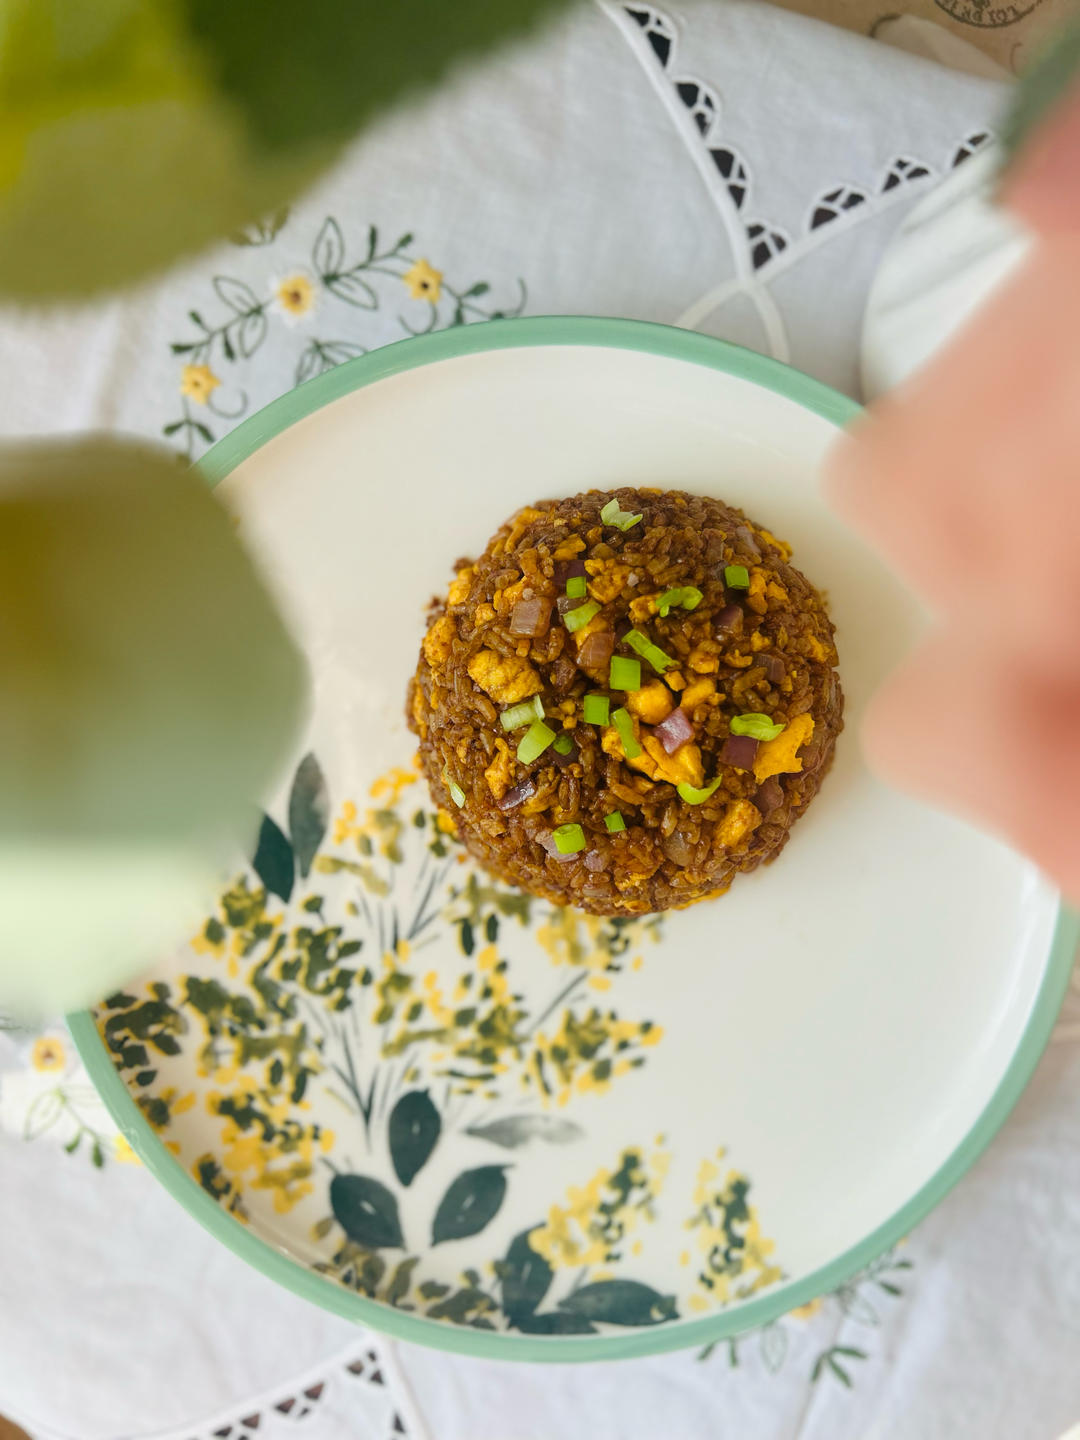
[
  {"x": 580, "y": 615},
  {"x": 611, "y": 514},
  {"x": 759, "y": 726},
  {"x": 648, "y": 651},
  {"x": 523, "y": 714},
  {"x": 563, "y": 745},
  {"x": 736, "y": 577},
  {"x": 614, "y": 822},
  {"x": 534, "y": 742},
  {"x": 694, "y": 796},
  {"x": 569, "y": 839},
  {"x": 688, "y": 596},
  {"x": 625, "y": 674},
  {"x": 576, "y": 586},
  {"x": 596, "y": 709},
  {"x": 625, "y": 726},
  {"x": 457, "y": 794}
]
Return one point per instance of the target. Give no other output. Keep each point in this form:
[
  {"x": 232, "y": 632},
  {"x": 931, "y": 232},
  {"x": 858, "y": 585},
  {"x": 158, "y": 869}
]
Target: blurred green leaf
[
  {"x": 117, "y": 153},
  {"x": 273, "y": 861},
  {"x": 325, "y": 73},
  {"x": 150, "y": 687},
  {"x": 150, "y": 694}
]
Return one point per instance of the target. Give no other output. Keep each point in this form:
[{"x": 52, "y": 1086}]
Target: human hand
[{"x": 968, "y": 479}]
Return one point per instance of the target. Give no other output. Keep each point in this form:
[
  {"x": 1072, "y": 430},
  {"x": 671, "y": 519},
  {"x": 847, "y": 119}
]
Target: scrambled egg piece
[
  {"x": 484, "y": 615},
  {"x": 507, "y": 598},
  {"x": 740, "y": 819},
  {"x": 589, "y": 628},
  {"x": 777, "y": 757},
  {"x": 521, "y": 522},
  {"x": 781, "y": 545},
  {"x": 652, "y": 703},
  {"x": 654, "y": 761},
  {"x": 817, "y": 649},
  {"x": 732, "y": 657},
  {"x": 419, "y": 712},
  {"x": 703, "y": 658},
  {"x": 569, "y": 547},
  {"x": 758, "y": 641},
  {"x": 500, "y": 772},
  {"x": 775, "y": 591},
  {"x": 506, "y": 681},
  {"x": 642, "y": 607},
  {"x": 609, "y": 582},
  {"x": 439, "y": 641},
  {"x": 755, "y": 596},
  {"x": 698, "y": 691},
  {"x": 459, "y": 588}
]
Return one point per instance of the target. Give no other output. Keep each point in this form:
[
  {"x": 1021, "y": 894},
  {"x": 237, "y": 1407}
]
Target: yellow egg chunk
[
  {"x": 740, "y": 818},
  {"x": 778, "y": 757},
  {"x": 652, "y": 703},
  {"x": 439, "y": 641},
  {"x": 500, "y": 773},
  {"x": 505, "y": 680}
]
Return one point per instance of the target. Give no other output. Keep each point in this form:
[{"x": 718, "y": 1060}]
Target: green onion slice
[
  {"x": 457, "y": 794},
  {"x": 625, "y": 674},
  {"x": 569, "y": 839},
  {"x": 596, "y": 710},
  {"x": 736, "y": 577},
  {"x": 611, "y": 514},
  {"x": 563, "y": 745},
  {"x": 614, "y": 822},
  {"x": 694, "y": 796},
  {"x": 759, "y": 726},
  {"x": 534, "y": 742},
  {"x": 688, "y": 596},
  {"x": 576, "y": 586},
  {"x": 625, "y": 726},
  {"x": 580, "y": 615},
  {"x": 648, "y": 651},
  {"x": 523, "y": 714}
]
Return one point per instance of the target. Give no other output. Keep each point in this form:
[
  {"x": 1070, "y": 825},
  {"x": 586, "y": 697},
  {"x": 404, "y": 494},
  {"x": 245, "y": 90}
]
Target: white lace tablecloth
[{"x": 722, "y": 166}]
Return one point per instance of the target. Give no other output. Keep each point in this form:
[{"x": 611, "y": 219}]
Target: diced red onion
[
  {"x": 730, "y": 620},
  {"x": 595, "y": 860},
  {"x": 597, "y": 650},
  {"x": 567, "y": 570},
  {"x": 531, "y": 617},
  {"x": 517, "y": 795},
  {"x": 678, "y": 849},
  {"x": 746, "y": 535},
  {"x": 570, "y": 602},
  {"x": 739, "y": 750},
  {"x": 775, "y": 670},
  {"x": 675, "y": 731},
  {"x": 769, "y": 796},
  {"x": 562, "y": 674}
]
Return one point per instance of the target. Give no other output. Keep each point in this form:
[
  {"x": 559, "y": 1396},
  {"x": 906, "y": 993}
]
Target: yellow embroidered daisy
[
  {"x": 48, "y": 1054},
  {"x": 807, "y": 1311},
  {"x": 123, "y": 1152},
  {"x": 198, "y": 382},
  {"x": 424, "y": 282},
  {"x": 294, "y": 296}
]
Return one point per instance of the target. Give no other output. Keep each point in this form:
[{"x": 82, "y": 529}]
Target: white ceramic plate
[{"x": 425, "y": 1102}]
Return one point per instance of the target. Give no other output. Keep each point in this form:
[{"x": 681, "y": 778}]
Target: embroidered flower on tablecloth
[
  {"x": 424, "y": 282},
  {"x": 294, "y": 296},
  {"x": 48, "y": 1055},
  {"x": 198, "y": 382}
]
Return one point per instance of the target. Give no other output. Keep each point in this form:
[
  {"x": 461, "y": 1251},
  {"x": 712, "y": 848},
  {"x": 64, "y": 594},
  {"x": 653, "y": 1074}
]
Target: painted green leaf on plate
[
  {"x": 471, "y": 1202},
  {"x": 273, "y": 860},
  {"x": 309, "y": 811},
  {"x": 367, "y": 1211},
  {"x": 517, "y": 1130},
  {"x": 525, "y": 1277},
  {"x": 412, "y": 1133},
  {"x": 621, "y": 1302},
  {"x": 555, "y": 1322}
]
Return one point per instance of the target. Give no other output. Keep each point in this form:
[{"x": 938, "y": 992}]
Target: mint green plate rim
[{"x": 224, "y": 457}]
